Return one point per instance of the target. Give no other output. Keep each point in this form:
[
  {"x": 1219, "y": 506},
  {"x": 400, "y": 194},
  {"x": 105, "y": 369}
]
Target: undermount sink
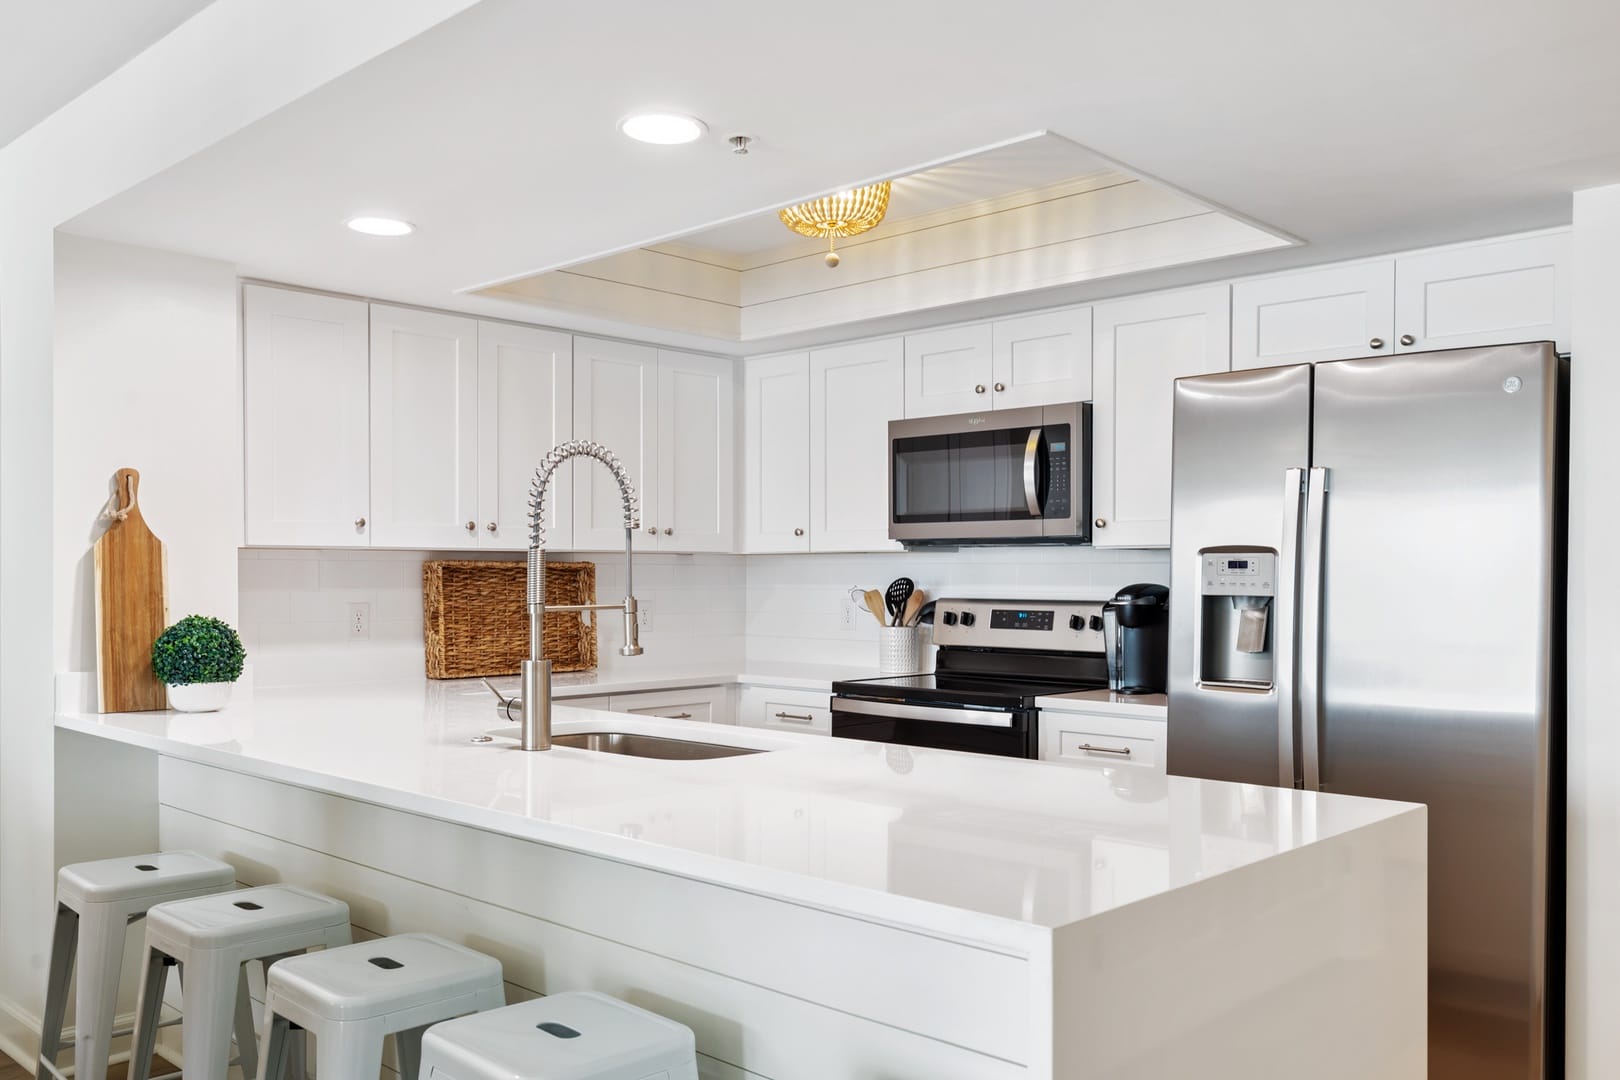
[{"x": 645, "y": 746}]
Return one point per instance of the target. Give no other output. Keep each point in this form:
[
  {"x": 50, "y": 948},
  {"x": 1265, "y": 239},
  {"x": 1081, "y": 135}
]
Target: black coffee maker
[{"x": 1136, "y": 637}]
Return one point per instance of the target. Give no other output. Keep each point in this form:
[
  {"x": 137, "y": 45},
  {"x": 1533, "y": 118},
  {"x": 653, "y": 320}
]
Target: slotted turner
[{"x": 900, "y": 590}]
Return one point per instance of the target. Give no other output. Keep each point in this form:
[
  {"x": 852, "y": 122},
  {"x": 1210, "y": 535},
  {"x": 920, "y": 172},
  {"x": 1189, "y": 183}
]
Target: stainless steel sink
[{"x": 648, "y": 746}]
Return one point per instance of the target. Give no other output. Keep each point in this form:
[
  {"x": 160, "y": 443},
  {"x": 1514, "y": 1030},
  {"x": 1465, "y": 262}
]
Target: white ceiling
[
  {"x": 51, "y": 51},
  {"x": 1357, "y": 127}
]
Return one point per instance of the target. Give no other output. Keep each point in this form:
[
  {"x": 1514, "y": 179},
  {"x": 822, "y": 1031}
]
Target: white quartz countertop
[
  {"x": 780, "y": 675},
  {"x": 1144, "y": 706},
  {"x": 974, "y": 847}
]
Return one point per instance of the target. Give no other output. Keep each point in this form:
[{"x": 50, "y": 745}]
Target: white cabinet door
[
  {"x": 525, "y": 408},
  {"x": 1141, "y": 346},
  {"x": 424, "y": 429},
  {"x": 855, "y": 390},
  {"x": 697, "y": 435},
  {"x": 306, "y": 404},
  {"x": 1485, "y": 294},
  {"x": 948, "y": 371},
  {"x": 1041, "y": 359},
  {"x": 615, "y": 404},
  {"x": 802, "y": 711},
  {"x": 776, "y": 454},
  {"x": 1330, "y": 314},
  {"x": 700, "y": 704}
]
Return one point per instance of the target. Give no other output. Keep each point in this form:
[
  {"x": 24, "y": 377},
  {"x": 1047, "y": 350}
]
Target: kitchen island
[{"x": 826, "y": 908}]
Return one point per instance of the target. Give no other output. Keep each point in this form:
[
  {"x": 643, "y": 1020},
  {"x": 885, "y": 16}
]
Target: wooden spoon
[
  {"x": 874, "y": 604},
  {"x": 913, "y": 607}
]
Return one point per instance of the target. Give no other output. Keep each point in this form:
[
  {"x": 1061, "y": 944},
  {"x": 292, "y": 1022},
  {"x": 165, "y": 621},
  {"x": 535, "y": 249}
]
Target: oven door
[{"x": 1005, "y": 733}]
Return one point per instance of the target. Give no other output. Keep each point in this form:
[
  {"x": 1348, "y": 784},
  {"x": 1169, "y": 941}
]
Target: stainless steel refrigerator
[{"x": 1367, "y": 597}]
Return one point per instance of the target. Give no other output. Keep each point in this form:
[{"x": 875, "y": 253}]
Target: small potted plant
[{"x": 198, "y": 658}]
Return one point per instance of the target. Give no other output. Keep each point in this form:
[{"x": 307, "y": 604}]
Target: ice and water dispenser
[{"x": 1237, "y": 602}]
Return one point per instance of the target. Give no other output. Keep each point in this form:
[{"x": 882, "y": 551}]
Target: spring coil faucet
[{"x": 535, "y": 702}]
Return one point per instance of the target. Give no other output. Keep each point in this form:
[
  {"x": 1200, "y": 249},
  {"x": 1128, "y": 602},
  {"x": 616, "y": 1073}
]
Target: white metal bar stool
[
  {"x": 352, "y": 998},
  {"x": 95, "y": 903},
  {"x": 575, "y": 1036},
  {"x": 211, "y": 939}
]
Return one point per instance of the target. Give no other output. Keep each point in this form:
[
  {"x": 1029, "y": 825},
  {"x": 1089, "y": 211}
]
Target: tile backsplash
[{"x": 714, "y": 611}]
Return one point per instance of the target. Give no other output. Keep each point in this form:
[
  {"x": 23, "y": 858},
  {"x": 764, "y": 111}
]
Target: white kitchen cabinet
[
  {"x": 803, "y": 711},
  {"x": 1484, "y": 294},
  {"x": 1140, "y": 347},
  {"x": 948, "y": 370},
  {"x": 615, "y": 404},
  {"x": 1098, "y": 738},
  {"x": 525, "y": 408},
  {"x": 699, "y": 704},
  {"x": 1328, "y": 314},
  {"x": 424, "y": 428},
  {"x": 855, "y": 390},
  {"x": 776, "y": 454},
  {"x": 697, "y": 434},
  {"x": 1041, "y": 359},
  {"x": 305, "y": 429}
]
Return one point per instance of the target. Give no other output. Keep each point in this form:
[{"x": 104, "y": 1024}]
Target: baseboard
[{"x": 19, "y": 1038}]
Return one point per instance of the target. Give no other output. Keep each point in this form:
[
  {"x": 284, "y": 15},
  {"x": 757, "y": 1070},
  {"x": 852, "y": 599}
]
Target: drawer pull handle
[
  {"x": 804, "y": 718},
  {"x": 1122, "y": 751},
  {"x": 680, "y": 716}
]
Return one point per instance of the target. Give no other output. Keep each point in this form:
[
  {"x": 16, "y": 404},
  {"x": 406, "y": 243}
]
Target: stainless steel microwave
[{"x": 1004, "y": 477}]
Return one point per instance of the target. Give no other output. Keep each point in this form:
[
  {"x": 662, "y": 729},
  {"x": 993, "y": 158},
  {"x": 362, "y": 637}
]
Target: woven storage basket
[{"x": 475, "y": 617}]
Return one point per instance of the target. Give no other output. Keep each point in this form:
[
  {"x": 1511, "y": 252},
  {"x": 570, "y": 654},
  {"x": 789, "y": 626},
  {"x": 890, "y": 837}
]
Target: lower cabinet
[
  {"x": 700, "y": 704},
  {"x": 1096, "y": 740},
  {"x": 805, "y": 711}
]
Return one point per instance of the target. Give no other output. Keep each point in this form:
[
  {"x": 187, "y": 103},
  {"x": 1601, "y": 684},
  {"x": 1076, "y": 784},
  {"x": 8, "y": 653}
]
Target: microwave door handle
[{"x": 1032, "y": 457}]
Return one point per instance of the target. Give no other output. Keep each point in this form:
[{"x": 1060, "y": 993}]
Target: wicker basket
[{"x": 475, "y": 619}]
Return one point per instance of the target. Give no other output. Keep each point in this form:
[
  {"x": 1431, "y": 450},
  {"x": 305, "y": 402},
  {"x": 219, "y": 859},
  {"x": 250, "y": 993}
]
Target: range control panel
[
  {"x": 1239, "y": 573},
  {"x": 1051, "y": 625}
]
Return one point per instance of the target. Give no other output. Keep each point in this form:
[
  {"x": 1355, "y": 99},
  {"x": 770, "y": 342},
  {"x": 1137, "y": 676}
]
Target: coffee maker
[{"x": 1136, "y": 639}]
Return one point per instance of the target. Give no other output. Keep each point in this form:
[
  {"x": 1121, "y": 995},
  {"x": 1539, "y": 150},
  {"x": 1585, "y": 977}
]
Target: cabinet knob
[
  {"x": 798, "y": 532},
  {"x": 472, "y": 526},
  {"x": 652, "y": 530},
  {"x": 359, "y": 523},
  {"x": 1000, "y": 387},
  {"x": 1408, "y": 339},
  {"x": 979, "y": 389},
  {"x": 1376, "y": 343},
  {"x": 490, "y": 526},
  {"x": 1101, "y": 523},
  {"x": 669, "y": 532}
]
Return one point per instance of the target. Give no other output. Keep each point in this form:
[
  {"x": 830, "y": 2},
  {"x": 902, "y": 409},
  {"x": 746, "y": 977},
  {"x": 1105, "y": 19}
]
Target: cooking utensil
[
  {"x": 874, "y": 604},
  {"x": 900, "y": 590},
  {"x": 132, "y": 605},
  {"x": 925, "y": 614},
  {"x": 908, "y": 617}
]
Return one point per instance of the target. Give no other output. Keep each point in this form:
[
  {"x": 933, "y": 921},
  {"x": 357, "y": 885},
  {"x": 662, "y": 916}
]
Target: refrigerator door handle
[
  {"x": 1287, "y": 605},
  {"x": 1310, "y": 628}
]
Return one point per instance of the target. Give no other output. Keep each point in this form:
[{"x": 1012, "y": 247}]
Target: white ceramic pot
[{"x": 199, "y": 697}]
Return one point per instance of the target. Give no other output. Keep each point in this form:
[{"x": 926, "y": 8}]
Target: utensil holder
[{"x": 899, "y": 650}]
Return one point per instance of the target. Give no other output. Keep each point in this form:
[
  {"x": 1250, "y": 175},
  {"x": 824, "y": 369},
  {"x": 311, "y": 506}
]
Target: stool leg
[
  {"x": 148, "y": 1011},
  {"x": 273, "y": 1060},
  {"x": 408, "y": 1049},
  {"x": 247, "y": 1043},
  {"x": 351, "y": 1051},
  {"x": 210, "y": 987},
  {"x": 64, "y": 942},
  {"x": 101, "y": 957}
]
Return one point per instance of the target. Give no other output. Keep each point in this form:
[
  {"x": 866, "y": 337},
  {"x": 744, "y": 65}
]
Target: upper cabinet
[
  {"x": 424, "y": 428},
  {"x": 306, "y": 402},
  {"x": 1142, "y": 345},
  {"x": 855, "y": 390},
  {"x": 670, "y": 417},
  {"x": 1484, "y": 294},
  {"x": 525, "y": 408},
  {"x": 776, "y": 454},
  {"x": 1330, "y": 314},
  {"x": 1040, "y": 359}
]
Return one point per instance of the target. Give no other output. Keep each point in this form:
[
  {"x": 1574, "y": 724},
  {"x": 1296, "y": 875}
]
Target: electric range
[{"x": 995, "y": 657}]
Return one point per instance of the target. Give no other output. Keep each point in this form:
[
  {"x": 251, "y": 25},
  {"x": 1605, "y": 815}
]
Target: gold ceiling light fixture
[{"x": 845, "y": 213}]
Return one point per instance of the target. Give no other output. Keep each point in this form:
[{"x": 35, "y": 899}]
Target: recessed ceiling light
[
  {"x": 381, "y": 226},
  {"x": 662, "y": 129}
]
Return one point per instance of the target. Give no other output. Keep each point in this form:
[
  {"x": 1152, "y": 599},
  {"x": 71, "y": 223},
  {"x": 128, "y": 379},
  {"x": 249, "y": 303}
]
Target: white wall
[
  {"x": 145, "y": 377},
  {"x": 1594, "y": 644}
]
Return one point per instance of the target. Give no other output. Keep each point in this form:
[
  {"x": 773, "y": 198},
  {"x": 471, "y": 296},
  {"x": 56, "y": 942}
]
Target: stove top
[{"x": 947, "y": 687}]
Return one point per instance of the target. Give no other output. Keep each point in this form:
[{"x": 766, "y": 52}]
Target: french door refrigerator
[{"x": 1367, "y": 598}]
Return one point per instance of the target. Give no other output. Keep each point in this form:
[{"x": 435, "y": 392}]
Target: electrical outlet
[
  {"x": 359, "y": 622},
  {"x": 643, "y": 615},
  {"x": 846, "y": 614}
]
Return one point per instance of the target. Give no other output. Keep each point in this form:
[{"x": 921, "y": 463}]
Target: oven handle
[
  {"x": 895, "y": 711},
  {"x": 1032, "y": 452}
]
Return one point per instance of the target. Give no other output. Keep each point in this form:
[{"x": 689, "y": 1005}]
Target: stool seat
[
  {"x": 245, "y": 917},
  {"x": 581, "y": 1035},
  {"x": 388, "y": 975},
  {"x": 170, "y": 873}
]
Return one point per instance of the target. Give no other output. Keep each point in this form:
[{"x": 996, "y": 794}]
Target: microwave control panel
[
  {"x": 1057, "y": 473},
  {"x": 1239, "y": 573}
]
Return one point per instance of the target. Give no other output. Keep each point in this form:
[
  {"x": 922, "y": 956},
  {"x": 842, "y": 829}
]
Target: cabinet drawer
[
  {"x": 1099, "y": 748},
  {"x": 700, "y": 704},
  {"x": 1098, "y": 740},
  {"x": 786, "y": 710}
]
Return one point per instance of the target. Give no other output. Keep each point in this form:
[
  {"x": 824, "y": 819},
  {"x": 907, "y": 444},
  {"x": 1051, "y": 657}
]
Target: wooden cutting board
[{"x": 132, "y": 605}]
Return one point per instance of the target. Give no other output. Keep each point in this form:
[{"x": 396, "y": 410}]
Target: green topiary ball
[{"x": 198, "y": 649}]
